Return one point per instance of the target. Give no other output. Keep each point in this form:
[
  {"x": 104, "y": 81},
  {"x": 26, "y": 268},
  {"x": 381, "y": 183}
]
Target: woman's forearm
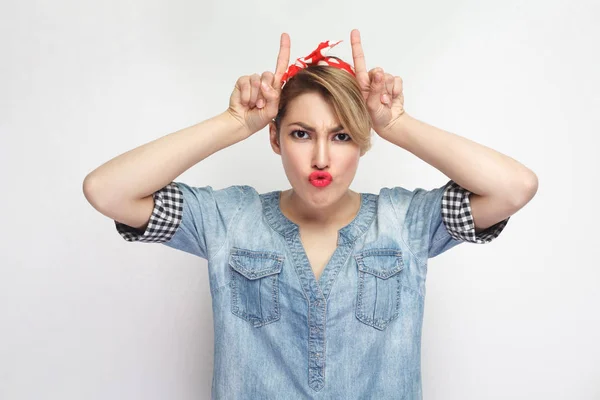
[
  {"x": 475, "y": 167},
  {"x": 140, "y": 172}
]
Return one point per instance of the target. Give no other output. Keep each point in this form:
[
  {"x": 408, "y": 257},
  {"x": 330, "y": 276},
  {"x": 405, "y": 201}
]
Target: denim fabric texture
[{"x": 279, "y": 333}]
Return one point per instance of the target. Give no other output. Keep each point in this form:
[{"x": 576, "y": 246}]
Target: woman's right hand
[{"x": 254, "y": 101}]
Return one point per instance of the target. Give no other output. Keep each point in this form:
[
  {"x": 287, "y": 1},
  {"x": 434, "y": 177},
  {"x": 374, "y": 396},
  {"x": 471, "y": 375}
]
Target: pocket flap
[
  {"x": 382, "y": 263},
  {"x": 255, "y": 264}
]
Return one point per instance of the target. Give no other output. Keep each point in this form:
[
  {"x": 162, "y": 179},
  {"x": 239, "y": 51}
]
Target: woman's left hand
[{"x": 381, "y": 91}]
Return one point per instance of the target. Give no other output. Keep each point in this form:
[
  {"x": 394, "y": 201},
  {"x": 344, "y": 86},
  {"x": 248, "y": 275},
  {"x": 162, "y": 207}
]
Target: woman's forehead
[{"x": 311, "y": 109}]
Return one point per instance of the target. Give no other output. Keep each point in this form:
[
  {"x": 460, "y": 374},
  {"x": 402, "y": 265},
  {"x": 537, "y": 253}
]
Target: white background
[{"x": 86, "y": 315}]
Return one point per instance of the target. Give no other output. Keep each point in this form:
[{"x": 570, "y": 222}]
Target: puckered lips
[{"x": 320, "y": 178}]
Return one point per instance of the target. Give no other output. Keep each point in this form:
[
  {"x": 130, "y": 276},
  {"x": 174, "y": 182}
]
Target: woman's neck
[{"x": 338, "y": 214}]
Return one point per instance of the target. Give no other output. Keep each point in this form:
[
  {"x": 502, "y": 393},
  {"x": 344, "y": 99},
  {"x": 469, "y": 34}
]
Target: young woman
[{"x": 318, "y": 290}]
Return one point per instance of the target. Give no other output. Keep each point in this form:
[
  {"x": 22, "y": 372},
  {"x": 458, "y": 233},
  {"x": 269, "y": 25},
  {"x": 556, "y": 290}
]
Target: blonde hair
[{"x": 341, "y": 90}]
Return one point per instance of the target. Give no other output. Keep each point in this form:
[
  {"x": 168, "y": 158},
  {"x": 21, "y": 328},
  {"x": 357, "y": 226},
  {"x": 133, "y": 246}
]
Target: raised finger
[
  {"x": 358, "y": 55},
  {"x": 283, "y": 58}
]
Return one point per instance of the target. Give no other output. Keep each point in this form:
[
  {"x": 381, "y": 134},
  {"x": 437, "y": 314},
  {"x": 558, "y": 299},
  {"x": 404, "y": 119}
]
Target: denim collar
[{"x": 347, "y": 235}]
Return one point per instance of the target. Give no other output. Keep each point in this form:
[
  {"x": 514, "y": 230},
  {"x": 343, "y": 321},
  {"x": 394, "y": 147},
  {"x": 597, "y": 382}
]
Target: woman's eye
[
  {"x": 344, "y": 137},
  {"x": 298, "y": 132}
]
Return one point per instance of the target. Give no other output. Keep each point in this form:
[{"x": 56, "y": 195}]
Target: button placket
[{"x": 317, "y": 345}]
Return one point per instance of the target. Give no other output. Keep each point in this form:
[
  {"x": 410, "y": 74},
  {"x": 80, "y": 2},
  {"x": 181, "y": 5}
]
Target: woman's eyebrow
[{"x": 311, "y": 129}]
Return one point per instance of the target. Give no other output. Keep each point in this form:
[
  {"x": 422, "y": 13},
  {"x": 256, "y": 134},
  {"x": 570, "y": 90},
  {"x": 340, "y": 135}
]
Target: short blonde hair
[{"x": 341, "y": 90}]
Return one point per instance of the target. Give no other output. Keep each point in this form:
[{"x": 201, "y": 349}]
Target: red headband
[{"x": 317, "y": 57}]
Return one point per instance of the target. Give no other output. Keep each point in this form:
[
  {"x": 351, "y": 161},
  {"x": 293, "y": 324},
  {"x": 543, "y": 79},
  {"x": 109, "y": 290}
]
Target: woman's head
[
  {"x": 340, "y": 90},
  {"x": 322, "y": 125}
]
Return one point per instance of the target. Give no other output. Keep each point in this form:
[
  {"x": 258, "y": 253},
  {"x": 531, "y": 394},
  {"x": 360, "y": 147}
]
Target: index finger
[
  {"x": 360, "y": 67},
  {"x": 283, "y": 59}
]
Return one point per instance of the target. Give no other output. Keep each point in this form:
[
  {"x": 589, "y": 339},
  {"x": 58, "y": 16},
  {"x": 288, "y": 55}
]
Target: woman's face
[{"x": 312, "y": 139}]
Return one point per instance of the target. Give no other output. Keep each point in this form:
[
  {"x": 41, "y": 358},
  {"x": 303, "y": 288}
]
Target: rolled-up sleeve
[
  {"x": 451, "y": 220},
  {"x": 164, "y": 221},
  {"x": 433, "y": 221},
  {"x": 192, "y": 219},
  {"x": 456, "y": 213}
]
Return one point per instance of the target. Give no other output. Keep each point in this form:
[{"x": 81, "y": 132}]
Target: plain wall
[{"x": 86, "y": 315}]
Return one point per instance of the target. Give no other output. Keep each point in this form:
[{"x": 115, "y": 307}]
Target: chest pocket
[
  {"x": 255, "y": 285},
  {"x": 378, "y": 293}
]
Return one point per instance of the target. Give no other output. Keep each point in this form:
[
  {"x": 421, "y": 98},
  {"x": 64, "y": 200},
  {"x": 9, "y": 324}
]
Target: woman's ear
[{"x": 275, "y": 145}]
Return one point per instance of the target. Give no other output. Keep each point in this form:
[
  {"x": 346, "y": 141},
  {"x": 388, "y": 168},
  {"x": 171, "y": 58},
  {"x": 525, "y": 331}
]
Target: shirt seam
[
  {"x": 233, "y": 221},
  {"x": 420, "y": 263},
  {"x": 450, "y": 230},
  {"x": 270, "y": 223}
]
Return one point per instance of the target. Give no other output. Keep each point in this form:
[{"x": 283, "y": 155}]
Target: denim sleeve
[
  {"x": 192, "y": 219},
  {"x": 437, "y": 220}
]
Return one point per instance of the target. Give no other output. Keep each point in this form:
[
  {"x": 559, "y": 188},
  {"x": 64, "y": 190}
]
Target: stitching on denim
[
  {"x": 420, "y": 263},
  {"x": 366, "y": 319},
  {"x": 235, "y": 219},
  {"x": 446, "y": 187},
  {"x": 256, "y": 320}
]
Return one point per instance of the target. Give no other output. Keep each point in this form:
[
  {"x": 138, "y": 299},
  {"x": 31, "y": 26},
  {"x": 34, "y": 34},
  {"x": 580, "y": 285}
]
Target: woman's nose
[{"x": 321, "y": 154}]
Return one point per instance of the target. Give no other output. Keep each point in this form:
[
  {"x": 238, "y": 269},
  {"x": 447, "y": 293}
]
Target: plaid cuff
[
  {"x": 164, "y": 221},
  {"x": 456, "y": 213}
]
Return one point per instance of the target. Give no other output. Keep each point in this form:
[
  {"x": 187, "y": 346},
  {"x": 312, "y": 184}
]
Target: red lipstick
[{"x": 320, "y": 178}]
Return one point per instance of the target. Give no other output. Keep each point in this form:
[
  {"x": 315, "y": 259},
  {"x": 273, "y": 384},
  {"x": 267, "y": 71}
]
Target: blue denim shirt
[{"x": 279, "y": 333}]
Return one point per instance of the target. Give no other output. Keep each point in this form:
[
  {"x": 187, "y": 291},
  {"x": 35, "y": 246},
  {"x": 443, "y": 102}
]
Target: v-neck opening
[
  {"x": 347, "y": 234},
  {"x": 296, "y": 226},
  {"x": 318, "y": 288}
]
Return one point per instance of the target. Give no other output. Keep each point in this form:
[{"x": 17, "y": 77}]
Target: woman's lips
[{"x": 320, "y": 178}]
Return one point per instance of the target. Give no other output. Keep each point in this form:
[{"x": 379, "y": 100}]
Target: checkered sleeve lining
[
  {"x": 456, "y": 213},
  {"x": 164, "y": 221}
]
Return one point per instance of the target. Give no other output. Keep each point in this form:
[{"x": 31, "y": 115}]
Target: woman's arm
[
  {"x": 142, "y": 171},
  {"x": 138, "y": 173},
  {"x": 123, "y": 188},
  {"x": 499, "y": 184}
]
